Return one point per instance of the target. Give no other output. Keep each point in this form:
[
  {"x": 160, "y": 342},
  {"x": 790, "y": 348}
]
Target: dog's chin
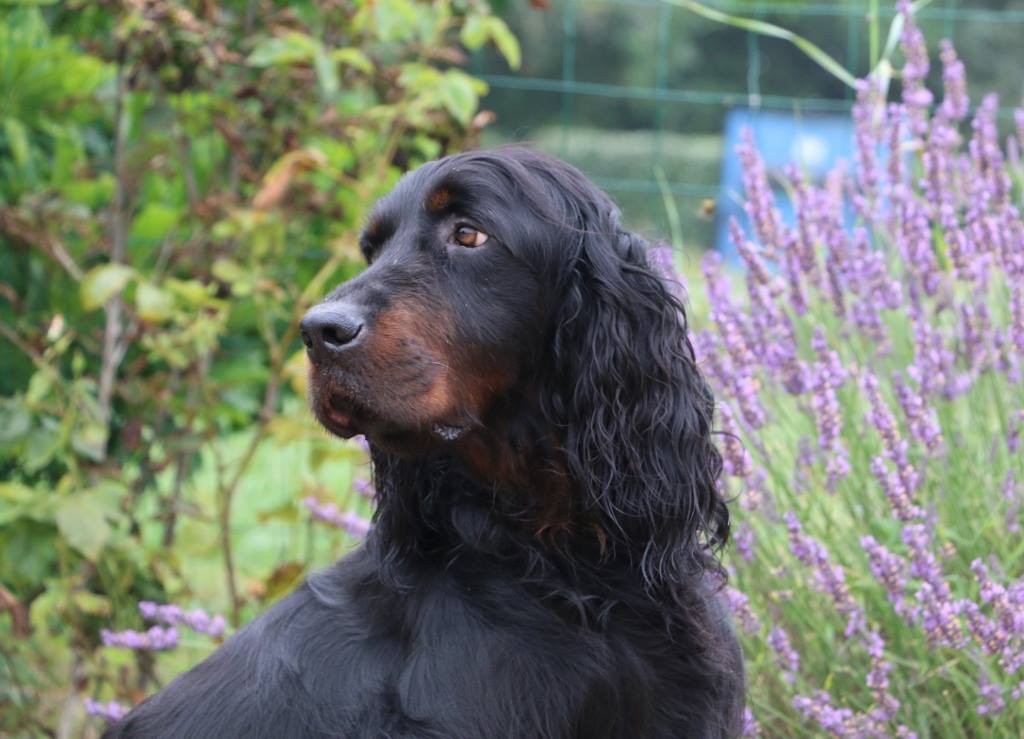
[{"x": 344, "y": 417}]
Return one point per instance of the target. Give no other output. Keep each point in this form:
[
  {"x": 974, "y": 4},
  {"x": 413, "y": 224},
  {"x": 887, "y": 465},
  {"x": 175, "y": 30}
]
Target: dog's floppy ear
[{"x": 634, "y": 410}]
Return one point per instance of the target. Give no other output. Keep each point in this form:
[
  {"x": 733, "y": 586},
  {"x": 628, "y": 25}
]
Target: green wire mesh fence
[{"x": 634, "y": 91}]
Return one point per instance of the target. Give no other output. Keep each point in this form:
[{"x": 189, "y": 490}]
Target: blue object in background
[{"x": 814, "y": 143}]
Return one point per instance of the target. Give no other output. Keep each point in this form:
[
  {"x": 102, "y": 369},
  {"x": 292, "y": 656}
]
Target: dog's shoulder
[{"x": 312, "y": 665}]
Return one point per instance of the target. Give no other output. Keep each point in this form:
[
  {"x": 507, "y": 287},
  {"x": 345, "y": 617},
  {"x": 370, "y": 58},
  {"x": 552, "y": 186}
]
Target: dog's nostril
[
  {"x": 338, "y": 335},
  {"x": 329, "y": 328}
]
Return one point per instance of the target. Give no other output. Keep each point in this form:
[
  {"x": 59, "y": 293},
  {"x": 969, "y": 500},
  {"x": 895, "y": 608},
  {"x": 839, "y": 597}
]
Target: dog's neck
[
  {"x": 517, "y": 455},
  {"x": 507, "y": 474},
  {"x": 528, "y": 478}
]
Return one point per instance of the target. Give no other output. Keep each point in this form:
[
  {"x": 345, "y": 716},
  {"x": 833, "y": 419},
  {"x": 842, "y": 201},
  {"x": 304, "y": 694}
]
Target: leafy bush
[
  {"x": 178, "y": 181},
  {"x": 873, "y": 398}
]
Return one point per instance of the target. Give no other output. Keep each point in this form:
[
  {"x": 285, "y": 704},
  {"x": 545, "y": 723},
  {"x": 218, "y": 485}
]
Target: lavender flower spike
[
  {"x": 348, "y": 521},
  {"x": 785, "y": 655},
  {"x": 157, "y": 639},
  {"x": 173, "y": 615},
  {"x": 111, "y": 711}
]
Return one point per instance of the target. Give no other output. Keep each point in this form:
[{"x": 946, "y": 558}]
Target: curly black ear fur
[{"x": 634, "y": 411}]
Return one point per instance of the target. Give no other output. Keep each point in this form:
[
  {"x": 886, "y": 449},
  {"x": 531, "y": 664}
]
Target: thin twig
[
  {"x": 18, "y": 611},
  {"x": 14, "y": 225},
  {"x": 114, "y": 347}
]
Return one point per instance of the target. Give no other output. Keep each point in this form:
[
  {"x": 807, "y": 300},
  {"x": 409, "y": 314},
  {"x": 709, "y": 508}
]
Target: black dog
[{"x": 543, "y": 557}]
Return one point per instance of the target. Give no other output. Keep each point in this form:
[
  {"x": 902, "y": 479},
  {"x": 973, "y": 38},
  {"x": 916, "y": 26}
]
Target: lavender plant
[
  {"x": 872, "y": 399},
  {"x": 155, "y": 639}
]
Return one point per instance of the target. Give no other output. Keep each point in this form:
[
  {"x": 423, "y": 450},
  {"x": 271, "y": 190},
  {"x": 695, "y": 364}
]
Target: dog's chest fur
[{"x": 348, "y": 656}]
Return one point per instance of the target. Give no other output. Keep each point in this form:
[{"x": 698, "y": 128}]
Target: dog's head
[
  {"x": 465, "y": 258},
  {"x": 503, "y": 300}
]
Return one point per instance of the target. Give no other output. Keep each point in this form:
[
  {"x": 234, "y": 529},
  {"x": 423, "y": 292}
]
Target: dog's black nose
[{"x": 329, "y": 328}]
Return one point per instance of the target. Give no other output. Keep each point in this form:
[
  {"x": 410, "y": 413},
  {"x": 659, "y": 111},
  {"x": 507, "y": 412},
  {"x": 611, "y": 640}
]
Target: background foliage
[
  {"x": 178, "y": 181},
  {"x": 621, "y": 88}
]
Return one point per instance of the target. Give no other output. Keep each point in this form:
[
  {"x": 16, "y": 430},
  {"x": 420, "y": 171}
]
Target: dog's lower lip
[{"x": 341, "y": 423}]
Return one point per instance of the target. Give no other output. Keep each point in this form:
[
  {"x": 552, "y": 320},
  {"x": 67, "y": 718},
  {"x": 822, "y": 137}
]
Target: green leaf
[
  {"x": 505, "y": 40},
  {"x": 40, "y": 446},
  {"x": 104, "y": 282},
  {"x": 416, "y": 77},
  {"x": 152, "y": 303},
  {"x": 191, "y": 291},
  {"x": 94, "y": 192},
  {"x": 19, "y": 501},
  {"x": 90, "y": 440},
  {"x": 82, "y": 521},
  {"x": 91, "y": 603},
  {"x": 326, "y": 74},
  {"x": 229, "y": 271},
  {"x": 17, "y": 141},
  {"x": 27, "y": 554},
  {"x": 154, "y": 222},
  {"x": 15, "y": 420},
  {"x": 474, "y": 33},
  {"x": 353, "y": 57},
  {"x": 458, "y": 94},
  {"x": 40, "y": 388},
  {"x": 15, "y": 492},
  {"x": 292, "y": 48},
  {"x": 396, "y": 20}
]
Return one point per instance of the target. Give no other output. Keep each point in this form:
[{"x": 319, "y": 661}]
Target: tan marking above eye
[
  {"x": 469, "y": 236},
  {"x": 438, "y": 200}
]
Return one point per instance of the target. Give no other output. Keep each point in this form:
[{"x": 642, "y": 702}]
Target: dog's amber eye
[{"x": 469, "y": 236}]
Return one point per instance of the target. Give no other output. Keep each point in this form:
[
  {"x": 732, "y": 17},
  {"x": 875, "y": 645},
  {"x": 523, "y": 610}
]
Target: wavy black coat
[{"x": 456, "y": 617}]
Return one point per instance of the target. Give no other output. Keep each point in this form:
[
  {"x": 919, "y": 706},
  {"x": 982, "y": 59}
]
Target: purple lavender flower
[
  {"x": 991, "y": 182},
  {"x": 829, "y": 579},
  {"x": 735, "y": 458},
  {"x": 986, "y": 632},
  {"x": 802, "y": 245},
  {"x": 1012, "y": 497},
  {"x": 750, "y": 725},
  {"x": 364, "y": 488},
  {"x": 991, "y": 695},
  {"x": 738, "y": 342},
  {"x": 744, "y": 539},
  {"x": 111, "y": 711},
  {"x": 755, "y": 494},
  {"x": 916, "y": 97},
  {"x": 1007, "y": 605},
  {"x": 955, "y": 102},
  {"x": 937, "y": 611},
  {"x": 868, "y": 115},
  {"x": 156, "y": 639},
  {"x": 819, "y": 709},
  {"x": 787, "y": 657},
  {"x": 662, "y": 260},
  {"x": 350, "y": 522},
  {"x": 889, "y": 569},
  {"x": 935, "y": 265},
  {"x": 760, "y": 205},
  {"x": 1016, "y": 328},
  {"x": 828, "y": 375},
  {"x": 172, "y": 615},
  {"x": 895, "y": 490},
  {"x": 921, "y": 416},
  {"x": 878, "y": 681},
  {"x": 739, "y": 606}
]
